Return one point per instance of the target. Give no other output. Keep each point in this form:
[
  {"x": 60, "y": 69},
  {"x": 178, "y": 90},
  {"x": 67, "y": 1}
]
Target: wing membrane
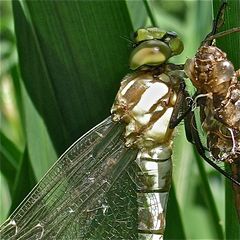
[{"x": 69, "y": 197}]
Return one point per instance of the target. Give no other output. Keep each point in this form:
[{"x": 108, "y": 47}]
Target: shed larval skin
[{"x": 219, "y": 98}]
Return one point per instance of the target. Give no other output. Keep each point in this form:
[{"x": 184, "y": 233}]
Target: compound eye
[
  {"x": 152, "y": 53},
  {"x": 144, "y": 34},
  {"x": 176, "y": 46}
]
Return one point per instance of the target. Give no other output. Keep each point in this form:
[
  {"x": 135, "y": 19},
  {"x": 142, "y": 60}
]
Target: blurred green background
[{"x": 62, "y": 81}]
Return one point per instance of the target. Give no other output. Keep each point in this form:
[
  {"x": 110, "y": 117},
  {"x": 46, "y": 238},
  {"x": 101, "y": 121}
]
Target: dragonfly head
[{"x": 154, "y": 47}]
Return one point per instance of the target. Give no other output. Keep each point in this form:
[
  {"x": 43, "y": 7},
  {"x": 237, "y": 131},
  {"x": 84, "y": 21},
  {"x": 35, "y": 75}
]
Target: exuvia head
[{"x": 154, "y": 47}]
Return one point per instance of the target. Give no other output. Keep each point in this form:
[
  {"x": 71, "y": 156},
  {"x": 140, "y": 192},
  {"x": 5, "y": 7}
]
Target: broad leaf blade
[
  {"x": 9, "y": 159},
  {"x": 41, "y": 152},
  {"x": 24, "y": 178},
  {"x": 73, "y": 62}
]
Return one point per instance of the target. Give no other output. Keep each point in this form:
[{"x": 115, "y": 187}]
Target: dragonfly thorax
[{"x": 145, "y": 103}]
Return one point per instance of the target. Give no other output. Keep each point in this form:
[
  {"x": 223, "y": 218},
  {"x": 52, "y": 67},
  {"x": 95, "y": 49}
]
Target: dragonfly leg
[
  {"x": 182, "y": 107},
  {"x": 222, "y": 34},
  {"x": 201, "y": 149},
  {"x": 217, "y": 22},
  {"x": 188, "y": 126}
]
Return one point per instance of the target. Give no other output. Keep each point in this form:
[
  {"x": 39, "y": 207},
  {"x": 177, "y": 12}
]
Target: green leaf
[
  {"x": 137, "y": 13},
  {"x": 40, "y": 148},
  {"x": 208, "y": 196},
  {"x": 9, "y": 159},
  {"x": 175, "y": 227},
  {"x": 5, "y": 198},
  {"x": 73, "y": 63},
  {"x": 24, "y": 178}
]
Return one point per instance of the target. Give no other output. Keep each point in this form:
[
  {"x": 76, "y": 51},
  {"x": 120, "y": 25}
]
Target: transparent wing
[{"x": 73, "y": 198}]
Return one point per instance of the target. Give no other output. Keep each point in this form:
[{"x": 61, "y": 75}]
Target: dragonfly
[
  {"x": 72, "y": 199},
  {"x": 218, "y": 98}
]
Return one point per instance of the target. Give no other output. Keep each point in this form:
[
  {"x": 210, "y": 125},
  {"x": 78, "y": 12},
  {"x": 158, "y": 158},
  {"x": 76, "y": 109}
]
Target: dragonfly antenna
[{"x": 127, "y": 39}]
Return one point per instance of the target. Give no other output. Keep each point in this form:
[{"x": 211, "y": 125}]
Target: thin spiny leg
[
  {"x": 201, "y": 150},
  {"x": 222, "y": 34},
  {"x": 217, "y": 22},
  {"x": 188, "y": 127},
  {"x": 182, "y": 107}
]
